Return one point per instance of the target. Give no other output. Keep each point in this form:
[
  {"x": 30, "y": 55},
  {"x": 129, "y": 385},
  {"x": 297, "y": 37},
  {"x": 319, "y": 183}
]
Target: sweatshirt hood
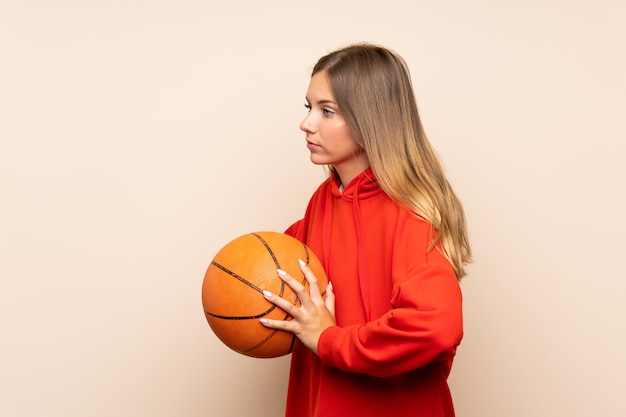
[{"x": 361, "y": 187}]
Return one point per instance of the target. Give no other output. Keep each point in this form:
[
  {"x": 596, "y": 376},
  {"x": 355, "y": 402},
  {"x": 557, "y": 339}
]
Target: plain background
[{"x": 138, "y": 137}]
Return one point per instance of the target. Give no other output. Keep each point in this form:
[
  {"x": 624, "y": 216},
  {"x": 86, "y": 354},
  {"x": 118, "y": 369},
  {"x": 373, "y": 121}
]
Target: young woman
[{"x": 391, "y": 235}]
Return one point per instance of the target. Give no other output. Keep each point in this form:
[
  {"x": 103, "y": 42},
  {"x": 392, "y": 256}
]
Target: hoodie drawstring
[
  {"x": 366, "y": 183},
  {"x": 364, "y": 281}
]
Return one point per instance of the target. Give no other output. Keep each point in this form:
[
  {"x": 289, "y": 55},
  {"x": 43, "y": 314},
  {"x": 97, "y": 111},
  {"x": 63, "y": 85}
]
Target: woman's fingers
[
  {"x": 286, "y": 305},
  {"x": 296, "y": 287},
  {"x": 312, "y": 317},
  {"x": 315, "y": 292},
  {"x": 291, "y": 309},
  {"x": 330, "y": 298}
]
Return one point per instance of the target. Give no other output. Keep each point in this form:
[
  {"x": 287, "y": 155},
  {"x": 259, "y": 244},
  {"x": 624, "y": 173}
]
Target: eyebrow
[{"x": 322, "y": 102}]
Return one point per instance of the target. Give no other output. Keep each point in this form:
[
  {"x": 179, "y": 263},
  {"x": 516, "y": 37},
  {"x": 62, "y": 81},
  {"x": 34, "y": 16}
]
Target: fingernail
[
  {"x": 264, "y": 321},
  {"x": 282, "y": 273},
  {"x": 267, "y": 294},
  {"x": 301, "y": 262}
]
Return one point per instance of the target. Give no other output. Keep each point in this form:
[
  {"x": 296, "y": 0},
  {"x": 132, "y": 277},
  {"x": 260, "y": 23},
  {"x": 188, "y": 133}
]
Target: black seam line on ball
[
  {"x": 267, "y": 339},
  {"x": 271, "y": 253},
  {"x": 306, "y": 251},
  {"x": 248, "y": 283},
  {"x": 268, "y": 249},
  {"x": 261, "y": 343},
  {"x": 238, "y": 277},
  {"x": 258, "y": 316}
]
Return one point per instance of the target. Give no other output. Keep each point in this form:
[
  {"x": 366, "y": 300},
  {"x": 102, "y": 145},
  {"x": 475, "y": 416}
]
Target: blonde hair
[{"x": 373, "y": 90}]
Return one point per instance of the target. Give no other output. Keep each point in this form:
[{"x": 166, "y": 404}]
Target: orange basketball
[{"x": 232, "y": 291}]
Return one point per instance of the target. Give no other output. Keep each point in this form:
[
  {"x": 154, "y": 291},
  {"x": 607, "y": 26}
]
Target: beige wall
[{"x": 137, "y": 137}]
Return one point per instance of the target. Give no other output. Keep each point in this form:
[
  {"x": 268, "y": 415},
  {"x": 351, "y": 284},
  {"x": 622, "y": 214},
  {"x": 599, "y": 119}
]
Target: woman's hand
[{"x": 315, "y": 313}]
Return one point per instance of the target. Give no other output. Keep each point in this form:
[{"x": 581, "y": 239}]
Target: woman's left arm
[{"x": 424, "y": 324}]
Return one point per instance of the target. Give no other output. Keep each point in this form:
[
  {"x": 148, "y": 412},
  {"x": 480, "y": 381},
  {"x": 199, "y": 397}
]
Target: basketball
[{"x": 232, "y": 291}]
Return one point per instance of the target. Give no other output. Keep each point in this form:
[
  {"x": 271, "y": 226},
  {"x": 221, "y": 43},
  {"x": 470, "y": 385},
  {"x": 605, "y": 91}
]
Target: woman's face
[{"x": 328, "y": 137}]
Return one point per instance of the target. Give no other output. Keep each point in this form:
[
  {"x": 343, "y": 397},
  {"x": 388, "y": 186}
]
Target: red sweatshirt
[{"x": 398, "y": 310}]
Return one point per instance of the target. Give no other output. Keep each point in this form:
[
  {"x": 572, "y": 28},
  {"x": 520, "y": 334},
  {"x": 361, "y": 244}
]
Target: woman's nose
[{"x": 306, "y": 125}]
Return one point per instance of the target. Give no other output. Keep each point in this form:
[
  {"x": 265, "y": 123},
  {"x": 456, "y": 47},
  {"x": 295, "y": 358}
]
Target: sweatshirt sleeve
[
  {"x": 295, "y": 230},
  {"x": 424, "y": 324}
]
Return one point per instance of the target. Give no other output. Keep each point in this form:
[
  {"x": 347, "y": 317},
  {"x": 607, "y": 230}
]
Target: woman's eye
[
  {"x": 328, "y": 112},
  {"x": 307, "y": 106}
]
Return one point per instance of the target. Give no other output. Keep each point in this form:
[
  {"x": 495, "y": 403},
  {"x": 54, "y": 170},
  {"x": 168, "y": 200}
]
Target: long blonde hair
[{"x": 373, "y": 90}]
